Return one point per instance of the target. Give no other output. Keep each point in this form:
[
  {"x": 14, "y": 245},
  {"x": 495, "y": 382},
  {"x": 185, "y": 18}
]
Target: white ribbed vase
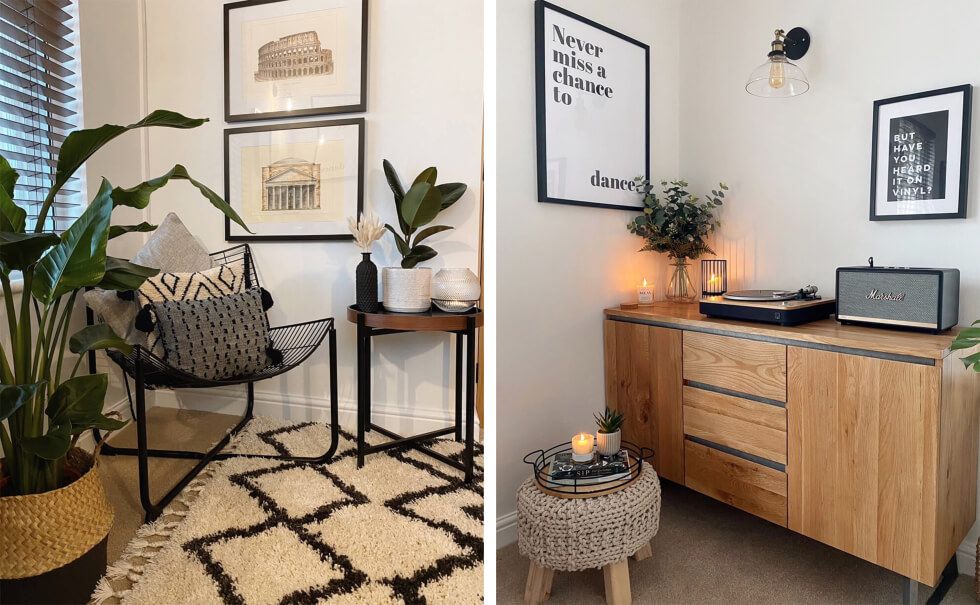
[
  {"x": 607, "y": 444},
  {"x": 455, "y": 289},
  {"x": 406, "y": 290}
]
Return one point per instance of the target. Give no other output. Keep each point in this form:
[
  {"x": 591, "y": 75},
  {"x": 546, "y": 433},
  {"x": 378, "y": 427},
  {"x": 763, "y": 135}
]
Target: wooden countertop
[{"x": 825, "y": 332}]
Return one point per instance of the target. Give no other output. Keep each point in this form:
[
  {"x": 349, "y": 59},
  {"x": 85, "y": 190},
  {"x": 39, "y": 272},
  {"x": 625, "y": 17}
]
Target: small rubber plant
[
  {"x": 416, "y": 208},
  {"x": 610, "y": 421}
]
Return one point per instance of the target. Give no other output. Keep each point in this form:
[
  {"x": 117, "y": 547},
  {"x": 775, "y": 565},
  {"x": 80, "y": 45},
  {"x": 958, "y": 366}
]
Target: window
[{"x": 39, "y": 91}]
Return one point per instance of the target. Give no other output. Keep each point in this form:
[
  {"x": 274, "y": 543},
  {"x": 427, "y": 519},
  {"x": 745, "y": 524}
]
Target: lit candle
[
  {"x": 645, "y": 294},
  {"x": 582, "y": 447}
]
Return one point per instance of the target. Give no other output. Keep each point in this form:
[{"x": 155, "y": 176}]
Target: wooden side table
[{"x": 464, "y": 326}]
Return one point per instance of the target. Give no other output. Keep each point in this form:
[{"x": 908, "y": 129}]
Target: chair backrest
[{"x": 239, "y": 253}]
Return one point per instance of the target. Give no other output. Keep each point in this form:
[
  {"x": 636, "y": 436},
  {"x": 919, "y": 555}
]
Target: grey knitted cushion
[
  {"x": 172, "y": 249},
  {"x": 215, "y": 338}
]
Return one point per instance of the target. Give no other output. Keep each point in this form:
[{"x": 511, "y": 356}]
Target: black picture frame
[
  {"x": 313, "y": 111},
  {"x": 963, "y": 176},
  {"x": 229, "y": 132},
  {"x": 540, "y": 86}
]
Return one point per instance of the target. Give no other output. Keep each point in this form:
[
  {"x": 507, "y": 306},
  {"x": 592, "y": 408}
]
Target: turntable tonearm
[{"x": 783, "y": 307}]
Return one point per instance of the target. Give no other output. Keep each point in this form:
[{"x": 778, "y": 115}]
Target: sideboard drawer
[
  {"x": 747, "y": 366},
  {"x": 752, "y": 487},
  {"x": 745, "y": 425}
]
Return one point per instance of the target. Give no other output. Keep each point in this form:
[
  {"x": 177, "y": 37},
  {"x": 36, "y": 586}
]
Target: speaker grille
[{"x": 919, "y": 293}]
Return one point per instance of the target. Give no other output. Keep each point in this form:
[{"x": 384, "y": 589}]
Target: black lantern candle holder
[{"x": 714, "y": 277}]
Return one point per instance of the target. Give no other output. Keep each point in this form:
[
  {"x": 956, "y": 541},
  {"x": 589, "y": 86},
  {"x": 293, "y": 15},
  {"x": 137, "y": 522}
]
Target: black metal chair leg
[
  {"x": 363, "y": 376},
  {"x": 459, "y": 387},
  {"x": 470, "y": 394}
]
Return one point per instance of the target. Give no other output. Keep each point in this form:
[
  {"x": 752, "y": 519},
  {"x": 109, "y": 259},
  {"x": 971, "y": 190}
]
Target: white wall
[
  {"x": 799, "y": 169},
  {"x": 559, "y": 266},
  {"x": 424, "y": 101}
]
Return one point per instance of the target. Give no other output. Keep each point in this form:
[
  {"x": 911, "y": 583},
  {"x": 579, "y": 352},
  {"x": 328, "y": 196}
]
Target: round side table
[
  {"x": 464, "y": 326},
  {"x": 573, "y": 534}
]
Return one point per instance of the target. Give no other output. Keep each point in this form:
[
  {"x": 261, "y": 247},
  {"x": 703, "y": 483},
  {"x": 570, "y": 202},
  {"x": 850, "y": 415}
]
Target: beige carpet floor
[{"x": 707, "y": 552}]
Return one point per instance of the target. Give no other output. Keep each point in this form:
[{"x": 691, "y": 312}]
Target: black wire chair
[{"x": 296, "y": 343}]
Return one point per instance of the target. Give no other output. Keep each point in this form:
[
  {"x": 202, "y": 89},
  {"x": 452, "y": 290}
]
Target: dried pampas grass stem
[{"x": 367, "y": 230}]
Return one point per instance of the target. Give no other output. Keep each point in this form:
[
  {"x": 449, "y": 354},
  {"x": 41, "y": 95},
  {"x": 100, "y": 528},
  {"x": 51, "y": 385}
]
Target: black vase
[{"x": 366, "y": 284}]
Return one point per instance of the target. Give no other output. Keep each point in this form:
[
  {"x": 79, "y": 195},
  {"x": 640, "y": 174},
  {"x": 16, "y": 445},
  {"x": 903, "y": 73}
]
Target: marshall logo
[{"x": 875, "y": 294}]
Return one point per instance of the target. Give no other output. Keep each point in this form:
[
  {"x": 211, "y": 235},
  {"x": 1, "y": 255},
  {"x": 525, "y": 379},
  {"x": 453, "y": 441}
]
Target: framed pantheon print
[
  {"x": 289, "y": 58},
  {"x": 593, "y": 111},
  {"x": 295, "y": 182}
]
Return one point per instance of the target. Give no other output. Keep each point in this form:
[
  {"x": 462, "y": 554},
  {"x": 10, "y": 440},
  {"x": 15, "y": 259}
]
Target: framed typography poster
[
  {"x": 920, "y": 155},
  {"x": 593, "y": 111},
  {"x": 295, "y": 182},
  {"x": 290, "y": 58}
]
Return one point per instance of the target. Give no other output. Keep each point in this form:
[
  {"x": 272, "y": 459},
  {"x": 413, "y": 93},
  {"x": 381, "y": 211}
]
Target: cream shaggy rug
[{"x": 402, "y": 529}]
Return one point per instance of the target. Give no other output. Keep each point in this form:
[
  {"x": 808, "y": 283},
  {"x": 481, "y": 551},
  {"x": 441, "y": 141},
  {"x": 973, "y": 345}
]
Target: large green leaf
[
  {"x": 117, "y": 230},
  {"x": 18, "y": 251},
  {"x": 397, "y": 190},
  {"x": 429, "y": 231},
  {"x": 417, "y": 255},
  {"x": 139, "y": 196},
  {"x": 52, "y": 446},
  {"x": 421, "y": 204},
  {"x": 78, "y": 401},
  {"x": 14, "y": 396},
  {"x": 79, "y": 259},
  {"x": 123, "y": 275},
  {"x": 94, "y": 338},
  {"x": 79, "y": 145},
  {"x": 451, "y": 192},
  {"x": 8, "y": 177}
]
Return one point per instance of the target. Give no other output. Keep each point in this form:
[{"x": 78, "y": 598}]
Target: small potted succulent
[
  {"x": 678, "y": 224},
  {"x": 609, "y": 436},
  {"x": 366, "y": 229},
  {"x": 408, "y": 289}
]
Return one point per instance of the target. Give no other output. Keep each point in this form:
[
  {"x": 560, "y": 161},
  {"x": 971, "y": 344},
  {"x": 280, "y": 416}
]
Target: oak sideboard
[{"x": 862, "y": 438}]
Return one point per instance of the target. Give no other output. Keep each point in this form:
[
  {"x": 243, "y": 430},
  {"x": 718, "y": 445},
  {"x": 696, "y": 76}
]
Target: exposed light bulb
[{"x": 777, "y": 75}]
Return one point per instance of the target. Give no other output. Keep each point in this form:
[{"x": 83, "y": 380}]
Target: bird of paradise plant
[{"x": 45, "y": 405}]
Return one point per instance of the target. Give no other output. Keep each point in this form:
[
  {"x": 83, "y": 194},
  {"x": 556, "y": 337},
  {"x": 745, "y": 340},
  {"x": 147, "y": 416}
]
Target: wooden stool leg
[
  {"x": 645, "y": 552},
  {"x": 538, "y": 587},
  {"x": 617, "y": 580}
]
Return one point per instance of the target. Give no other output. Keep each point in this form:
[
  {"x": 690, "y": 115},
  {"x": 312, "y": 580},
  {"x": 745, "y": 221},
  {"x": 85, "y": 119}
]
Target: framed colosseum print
[
  {"x": 295, "y": 181},
  {"x": 288, "y": 58}
]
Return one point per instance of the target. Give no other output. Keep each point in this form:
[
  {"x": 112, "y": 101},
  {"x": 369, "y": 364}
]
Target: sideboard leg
[
  {"x": 910, "y": 592},
  {"x": 946, "y": 580}
]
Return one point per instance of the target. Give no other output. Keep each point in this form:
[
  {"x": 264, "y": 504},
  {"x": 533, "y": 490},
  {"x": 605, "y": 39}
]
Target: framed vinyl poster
[
  {"x": 288, "y": 58},
  {"x": 593, "y": 111},
  {"x": 920, "y": 155},
  {"x": 296, "y": 181}
]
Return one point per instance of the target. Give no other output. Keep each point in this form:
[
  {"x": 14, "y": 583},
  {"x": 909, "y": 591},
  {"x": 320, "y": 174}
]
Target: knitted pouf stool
[{"x": 572, "y": 534}]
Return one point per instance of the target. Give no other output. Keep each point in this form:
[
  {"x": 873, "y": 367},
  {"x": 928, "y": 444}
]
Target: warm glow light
[
  {"x": 582, "y": 446},
  {"x": 644, "y": 282}
]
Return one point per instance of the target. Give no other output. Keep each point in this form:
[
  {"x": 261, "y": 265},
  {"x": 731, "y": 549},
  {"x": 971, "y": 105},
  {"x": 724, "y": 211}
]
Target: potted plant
[
  {"x": 407, "y": 289},
  {"x": 366, "y": 230},
  {"x": 55, "y": 515},
  {"x": 609, "y": 436},
  {"x": 677, "y": 224}
]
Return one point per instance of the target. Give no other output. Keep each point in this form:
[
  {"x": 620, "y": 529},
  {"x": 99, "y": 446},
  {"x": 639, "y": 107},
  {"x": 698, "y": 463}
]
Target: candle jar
[
  {"x": 645, "y": 294},
  {"x": 582, "y": 445},
  {"x": 714, "y": 277}
]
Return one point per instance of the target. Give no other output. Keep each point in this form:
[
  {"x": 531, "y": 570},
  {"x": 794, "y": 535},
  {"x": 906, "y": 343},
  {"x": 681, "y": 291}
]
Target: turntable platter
[{"x": 761, "y": 295}]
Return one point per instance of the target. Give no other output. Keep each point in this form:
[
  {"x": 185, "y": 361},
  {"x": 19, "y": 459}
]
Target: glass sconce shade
[
  {"x": 777, "y": 77},
  {"x": 714, "y": 277}
]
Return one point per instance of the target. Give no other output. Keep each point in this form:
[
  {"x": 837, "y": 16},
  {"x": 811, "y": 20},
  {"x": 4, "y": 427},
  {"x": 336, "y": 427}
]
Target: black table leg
[
  {"x": 459, "y": 387},
  {"x": 470, "y": 394},
  {"x": 363, "y": 380}
]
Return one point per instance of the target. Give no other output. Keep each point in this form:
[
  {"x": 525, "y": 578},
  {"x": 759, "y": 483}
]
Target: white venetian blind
[{"x": 39, "y": 93}]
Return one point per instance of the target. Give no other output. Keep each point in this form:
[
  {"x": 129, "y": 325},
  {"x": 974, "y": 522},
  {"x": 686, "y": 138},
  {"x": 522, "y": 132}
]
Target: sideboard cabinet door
[
  {"x": 862, "y": 456},
  {"x": 643, "y": 381}
]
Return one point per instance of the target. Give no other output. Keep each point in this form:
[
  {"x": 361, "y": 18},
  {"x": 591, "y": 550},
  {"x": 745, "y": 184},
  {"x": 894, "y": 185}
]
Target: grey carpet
[{"x": 707, "y": 552}]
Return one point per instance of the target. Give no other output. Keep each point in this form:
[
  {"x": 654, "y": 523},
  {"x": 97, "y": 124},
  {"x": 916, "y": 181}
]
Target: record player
[{"x": 783, "y": 307}]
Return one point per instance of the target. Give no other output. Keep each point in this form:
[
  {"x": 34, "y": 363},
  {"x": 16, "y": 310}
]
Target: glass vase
[{"x": 680, "y": 288}]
